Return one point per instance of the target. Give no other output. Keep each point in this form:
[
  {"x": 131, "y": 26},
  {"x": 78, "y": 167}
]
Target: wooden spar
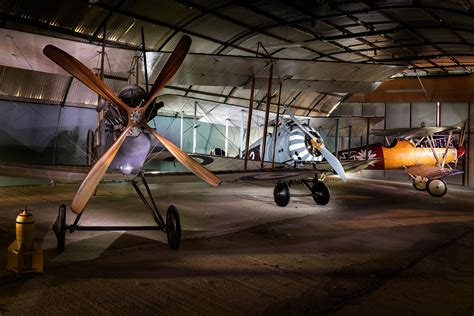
[
  {"x": 249, "y": 123},
  {"x": 350, "y": 136},
  {"x": 137, "y": 69},
  {"x": 100, "y": 114},
  {"x": 275, "y": 129},
  {"x": 267, "y": 112},
  {"x": 144, "y": 61},
  {"x": 447, "y": 148},
  {"x": 336, "y": 139}
]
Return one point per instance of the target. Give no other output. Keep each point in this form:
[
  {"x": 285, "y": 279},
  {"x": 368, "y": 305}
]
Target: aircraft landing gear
[
  {"x": 281, "y": 194},
  {"x": 59, "y": 228},
  {"x": 172, "y": 226},
  {"x": 419, "y": 183},
  {"x": 436, "y": 187},
  {"x": 319, "y": 191}
]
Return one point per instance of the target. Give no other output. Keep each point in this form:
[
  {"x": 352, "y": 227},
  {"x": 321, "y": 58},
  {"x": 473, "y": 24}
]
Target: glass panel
[
  {"x": 453, "y": 114},
  {"x": 373, "y": 109},
  {"x": 398, "y": 115},
  {"x": 423, "y": 113},
  {"x": 350, "y": 109}
]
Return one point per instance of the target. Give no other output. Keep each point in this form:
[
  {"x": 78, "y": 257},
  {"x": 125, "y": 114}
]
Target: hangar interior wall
[
  {"x": 412, "y": 115},
  {"x": 48, "y": 134}
]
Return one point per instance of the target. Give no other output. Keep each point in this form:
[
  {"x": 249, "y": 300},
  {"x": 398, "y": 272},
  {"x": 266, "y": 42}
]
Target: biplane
[
  {"x": 128, "y": 140},
  {"x": 424, "y": 153}
]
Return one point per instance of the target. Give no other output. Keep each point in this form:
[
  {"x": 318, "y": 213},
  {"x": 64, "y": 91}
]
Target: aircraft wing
[
  {"x": 169, "y": 170},
  {"x": 206, "y": 69},
  {"x": 431, "y": 172},
  {"x": 58, "y": 173},
  {"x": 417, "y": 132},
  {"x": 164, "y": 168}
]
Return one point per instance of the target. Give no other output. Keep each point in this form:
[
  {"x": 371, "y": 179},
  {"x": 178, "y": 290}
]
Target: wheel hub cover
[
  {"x": 437, "y": 187},
  {"x": 136, "y": 117}
]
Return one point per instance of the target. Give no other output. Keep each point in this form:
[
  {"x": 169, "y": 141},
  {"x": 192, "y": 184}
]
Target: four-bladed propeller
[
  {"x": 319, "y": 145},
  {"x": 136, "y": 118}
]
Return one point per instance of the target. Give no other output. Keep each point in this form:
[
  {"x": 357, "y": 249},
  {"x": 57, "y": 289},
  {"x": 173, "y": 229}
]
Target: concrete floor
[{"x": 376, "y": 248}]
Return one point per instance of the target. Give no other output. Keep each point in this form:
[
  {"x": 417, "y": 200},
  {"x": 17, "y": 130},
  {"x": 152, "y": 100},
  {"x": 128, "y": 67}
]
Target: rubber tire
[
  {"x": 59, "y": 228},
  {"x": 281, "y": 194},
  {"x": 173, "y": 227},
  {"x": 89, "y": 147},
  {"x": 414, "y": 183},
  {"x": 436, "y": 186},
  {"x": 324, "y": 196}
]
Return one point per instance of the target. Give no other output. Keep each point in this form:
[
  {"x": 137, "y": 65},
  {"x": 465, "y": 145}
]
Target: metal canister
[{"x": 25, "y": 229}]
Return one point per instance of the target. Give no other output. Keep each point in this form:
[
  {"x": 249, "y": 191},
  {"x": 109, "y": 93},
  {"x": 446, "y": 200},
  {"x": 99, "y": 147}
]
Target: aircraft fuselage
[{"x": 403, "y": 154}]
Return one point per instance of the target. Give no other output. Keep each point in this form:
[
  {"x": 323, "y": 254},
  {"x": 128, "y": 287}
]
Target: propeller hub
[{"x": 136, "y": 116}]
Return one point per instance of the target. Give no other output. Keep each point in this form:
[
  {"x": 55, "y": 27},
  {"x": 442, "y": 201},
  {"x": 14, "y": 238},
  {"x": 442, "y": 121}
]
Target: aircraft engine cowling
[{"x": 300, "y": 148}]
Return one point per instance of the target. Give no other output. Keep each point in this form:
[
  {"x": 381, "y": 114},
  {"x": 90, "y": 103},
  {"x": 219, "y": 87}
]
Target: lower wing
[
  {"x": 164, "y": 168},
  {"x": 431, "y": 172},
  {"x": 167, "y": 169},
  {"x": 59, "y": 173}
]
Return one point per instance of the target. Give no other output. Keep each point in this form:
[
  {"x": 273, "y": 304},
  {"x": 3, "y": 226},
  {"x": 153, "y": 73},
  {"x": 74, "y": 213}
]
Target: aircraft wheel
[
  {"x": 321, "y": 194},
  {"x": 173, "y": 227},
  {"x": 59, "y": 228},
  {"x": 89, "y": 147},
  {"x": 281, "y": 194},
  {"x": 436, "y": 187},
  {"x": 419, "y": 183}
]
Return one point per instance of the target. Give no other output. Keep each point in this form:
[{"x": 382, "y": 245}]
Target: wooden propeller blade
[
  {"x": 82, "y": 73},
  {"x": 186, "y": 160},
  {"x": 170, "y": 68},
  {"x": 89, "y": 184}
]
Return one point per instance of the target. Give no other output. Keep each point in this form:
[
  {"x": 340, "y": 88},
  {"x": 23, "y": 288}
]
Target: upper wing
[
  {"x": 207, "y": 69},
  {"x": 53, "y": 172},
  {"x": 417, "y": 132}
]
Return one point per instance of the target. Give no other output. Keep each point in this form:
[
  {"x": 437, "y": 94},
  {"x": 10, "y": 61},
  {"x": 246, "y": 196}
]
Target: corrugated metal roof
[
  {"x": 30, "y": 85},
  {"x": 429, "y": 36}
]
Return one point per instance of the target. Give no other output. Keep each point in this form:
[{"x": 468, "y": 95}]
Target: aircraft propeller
[
  {"x": 460, "y": 148},
  {"x": 136, "y": 118},
  {"x": 319, "y": 145}
]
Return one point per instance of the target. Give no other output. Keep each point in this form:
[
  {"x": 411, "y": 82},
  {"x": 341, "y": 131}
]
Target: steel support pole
[
  {"x": 275, "y": 129},
  {"x": 467, "y": 156},
  {"x": 367, "y": 140},
  {"x": 226, "y": 141},
  {"x": 194, "y": 127},
  {"x": 336, "y": 141},
  {"x": 438, "y": 114},
  {"x": 241, "y": 145},
  {"x": 181, "y": 130},
  {"x": 350, "y": 136},
  {"x": 267, "y": 112},
  {"x": 144, "y": 60},
  {"x": 100, "y": 114},
  {"x": 249, "y": 123}
]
